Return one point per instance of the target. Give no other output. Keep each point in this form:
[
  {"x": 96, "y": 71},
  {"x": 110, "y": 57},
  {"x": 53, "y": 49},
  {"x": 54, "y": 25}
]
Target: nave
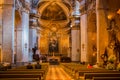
[
  {"x": 63, "y": 30},
  {"x": 63, "y": 71},
  {"x": 56, "y": 72}
]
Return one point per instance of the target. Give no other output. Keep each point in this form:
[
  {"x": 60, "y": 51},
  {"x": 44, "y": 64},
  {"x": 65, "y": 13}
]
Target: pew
[
  {"x": 22, "y": 72},
  {"x": 25, "y": 71},
  {"x": 19, "y": 78},
  {"x": 73, "y": 68},
  {"x": 41, "y": 70},
  {"x": 81, "y": 73},
  {"x": 32, "y": 71},
  {"x": 91, "y": 75},
  {"x": 43, "y": 67},
  {"x": 106, "y": 78},
  {"x": 77, "y": 70}
]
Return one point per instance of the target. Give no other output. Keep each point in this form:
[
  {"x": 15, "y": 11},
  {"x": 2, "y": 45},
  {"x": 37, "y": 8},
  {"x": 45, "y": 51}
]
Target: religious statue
[{"x": 114, "y": 42}]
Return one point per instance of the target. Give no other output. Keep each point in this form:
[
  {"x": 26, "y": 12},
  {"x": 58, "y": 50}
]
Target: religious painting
[
  {"x": 53, "y": 46},
  {"x": 53, "y": 12}
]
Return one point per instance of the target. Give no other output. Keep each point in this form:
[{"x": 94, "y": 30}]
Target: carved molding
[
  {"x": 88, "y": 6},
  {"x": 83, "y": 7},
  {"x": 22, "y": 5},
  {"x": 83, "y": 10}
]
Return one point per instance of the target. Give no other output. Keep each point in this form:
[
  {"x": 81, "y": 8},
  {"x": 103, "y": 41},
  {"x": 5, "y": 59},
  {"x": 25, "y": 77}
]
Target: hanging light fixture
[{"x": 118, "y": 12}]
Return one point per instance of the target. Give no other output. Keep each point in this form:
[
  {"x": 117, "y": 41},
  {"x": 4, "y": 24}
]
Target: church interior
[{"x": 59, "y": 39}]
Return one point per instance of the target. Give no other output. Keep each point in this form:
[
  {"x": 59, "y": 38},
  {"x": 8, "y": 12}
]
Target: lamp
[
  {"x": 110, "y": 16},
  {"x": 118, "y": 12}
]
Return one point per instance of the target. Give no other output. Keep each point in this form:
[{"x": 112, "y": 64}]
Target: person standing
[
  {"x": 34, "y": 51},
  {"x": 37, "y": 58}
]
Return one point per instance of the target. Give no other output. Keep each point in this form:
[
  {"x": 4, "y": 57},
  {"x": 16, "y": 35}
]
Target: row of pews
[
  {"x": 21, "y": 73},
  {"x": 81, "y": 72}
]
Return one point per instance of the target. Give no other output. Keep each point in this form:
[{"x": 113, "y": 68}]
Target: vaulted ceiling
[{"x": 54, "y": 16}]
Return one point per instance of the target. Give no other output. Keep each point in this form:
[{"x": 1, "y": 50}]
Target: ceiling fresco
[
  {"x": 54, "y": 15},
  {"x": 53, "y": 12}
]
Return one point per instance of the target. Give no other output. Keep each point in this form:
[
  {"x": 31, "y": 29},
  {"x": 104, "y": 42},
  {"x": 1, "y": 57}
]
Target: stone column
[
  {"x": 22, "y": 31},
  {"x": 75, "y": 44},
  {"x": 84, "y": 37},
  {"x": 22, "y": 36},
  {"x": 19, "y": 44},
  {"x": 32, "y": 41},
  {"x": 102, "y": 36},
  {"x": 1, "y": 11},
  {"x": 25, "y": 35},
  {"x": 8, "y": 31}
]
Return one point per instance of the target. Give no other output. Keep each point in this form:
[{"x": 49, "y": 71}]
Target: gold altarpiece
[{"x": 62, "y": 44}]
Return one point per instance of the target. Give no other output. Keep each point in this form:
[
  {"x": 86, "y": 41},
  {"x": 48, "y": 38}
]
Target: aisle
[{"x": 55, "y": 72}]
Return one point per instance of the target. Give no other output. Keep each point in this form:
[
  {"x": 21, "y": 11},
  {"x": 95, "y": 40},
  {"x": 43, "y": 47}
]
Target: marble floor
[{"x": 55, "y": 72}]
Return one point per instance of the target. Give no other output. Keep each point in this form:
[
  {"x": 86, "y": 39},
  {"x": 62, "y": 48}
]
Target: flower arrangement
[
  {"x": 118, "y": 67},
  {"x": 110, "y": 66},
  {"x": 112, "y": 58}
]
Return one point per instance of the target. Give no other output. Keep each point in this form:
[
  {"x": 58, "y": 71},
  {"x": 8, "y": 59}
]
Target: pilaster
[
  {"x": 22, "y": 47},
  {"x": 75, "y": 34},
  {"x": 1, "y": 11},
  {"x": 102, "y": 36},
  {"x": 84, "y": 38},
  {"x": 32, "y": 41},
  {"x": 19, "y": 44},
  {"x": 8, "y": 31},
  {"x": 25, "y": 35},
  {"x": 91, "y": 32}
]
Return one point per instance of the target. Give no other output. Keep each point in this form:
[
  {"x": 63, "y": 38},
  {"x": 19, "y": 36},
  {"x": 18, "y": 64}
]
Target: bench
[
  {"x": 43, "y": 66},
  {"x": 22, "y": 72},
  {"x": 41, "y": 70},
  {"x": 91, "y": 75},
  {"x": 81, "y": 73},
  {"x": 106, "y": 78},
  {"x": 42, "y": 73},
  {"x": 20, "y": 76}
]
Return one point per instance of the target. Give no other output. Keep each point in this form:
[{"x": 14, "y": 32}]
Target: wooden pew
[
  {"x": 91, "y": 75},
  {"x": 106, "y": 78},
  {"x": 20, "y": 76},
  {"x": 43, "y": 66},
  {"x": 22, "y": 72},
  {"x": 40, "y": 70},
  {"x": 25, "y": 71},
  {"x": 81, "y": 73}
]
